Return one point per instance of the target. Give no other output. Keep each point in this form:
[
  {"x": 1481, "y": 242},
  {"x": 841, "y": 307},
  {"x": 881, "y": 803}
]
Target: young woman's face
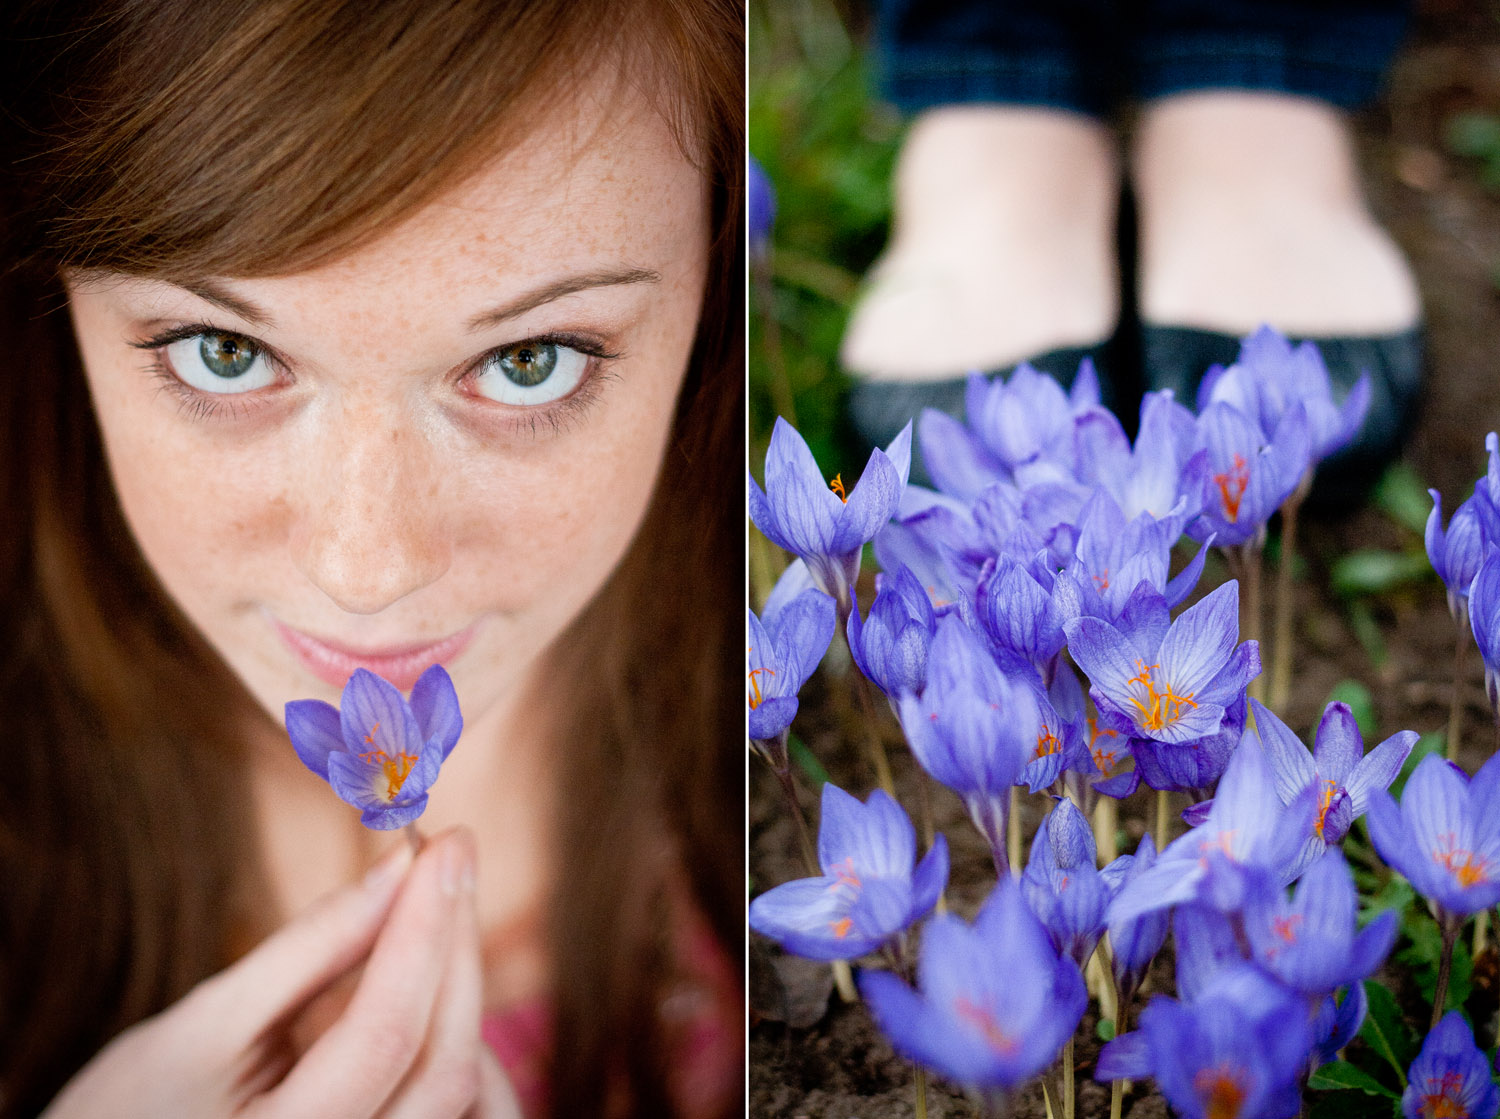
[{"x": 433, "y": 450}]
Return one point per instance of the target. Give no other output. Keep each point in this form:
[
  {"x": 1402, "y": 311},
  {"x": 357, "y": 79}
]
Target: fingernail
[
  {"x": 384, "y": 875},
  {"x": 458, "y": 867}
]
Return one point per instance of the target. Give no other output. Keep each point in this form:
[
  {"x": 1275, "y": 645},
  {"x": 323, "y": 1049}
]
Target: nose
[{"x": 369, "y": 528}]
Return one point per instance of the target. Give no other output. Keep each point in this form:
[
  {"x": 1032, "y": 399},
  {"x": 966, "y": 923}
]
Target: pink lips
[{"x": 401, "y": 665}]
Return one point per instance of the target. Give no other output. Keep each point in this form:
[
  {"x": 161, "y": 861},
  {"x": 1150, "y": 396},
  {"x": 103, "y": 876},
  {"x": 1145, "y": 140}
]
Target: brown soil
[{"x": 830, "y": 1062}]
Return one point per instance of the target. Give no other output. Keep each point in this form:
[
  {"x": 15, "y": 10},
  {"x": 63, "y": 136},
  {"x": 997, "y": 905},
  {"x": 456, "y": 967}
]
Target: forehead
[{"x": 599, "y": 181}]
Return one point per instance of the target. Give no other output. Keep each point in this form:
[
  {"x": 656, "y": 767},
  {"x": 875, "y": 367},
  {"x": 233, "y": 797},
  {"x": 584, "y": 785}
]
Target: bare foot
[
  {"x": 1002, "y": 245},
  {"x": 1252, "y": 212}
]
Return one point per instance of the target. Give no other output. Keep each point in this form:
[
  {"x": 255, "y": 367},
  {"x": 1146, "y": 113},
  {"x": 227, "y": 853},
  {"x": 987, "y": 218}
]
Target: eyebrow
[
  {"x": 212, "y": 292},
  {"x": 560, "y": 288}
]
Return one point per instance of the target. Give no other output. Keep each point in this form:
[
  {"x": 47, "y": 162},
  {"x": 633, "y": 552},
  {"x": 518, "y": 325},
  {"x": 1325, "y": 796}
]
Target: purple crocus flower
[
  {"x": 1309, "y": 941},
  {"x": 1236, "y": 1051},
  {"x": 784, "y": 650},
  {"x": 379, "y": 752},
  {"x": 1445, "y": 835},
  {"x": 1134, "y": 941},
  {"x": 1063, "y": 886},
  {"x": 1336, "y": 1023},
  {"x": 1249, "y": 474},
  {"x": 869, "y": 891},
  {"x": 1178, "y": 692},
  {"x": 1450, "y": 1079},
  {"x": 996, "y": 1002},
  {"x": 1019, "y": 614},
  {"x": 1484, "y": 622},
  {"x": 978, "y": 731},
  {"x": 1114, "y": 557},
  {"x": 1338, "y": 768},
  {"x": 890, "y": 646},
  {"x": 1247, "y": 830},
  {"x": 822, "y": 522},
  {"x": 1025, "y": 423},
  {"x": 761, "y": 206},
  {"x": 1161, "y": 476},
  {"x": 1457, "y": 553},
  {"x": 1272, "y": 375}
]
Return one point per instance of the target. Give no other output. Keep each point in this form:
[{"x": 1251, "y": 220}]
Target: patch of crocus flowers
[{"x": 1043, "y": 659}]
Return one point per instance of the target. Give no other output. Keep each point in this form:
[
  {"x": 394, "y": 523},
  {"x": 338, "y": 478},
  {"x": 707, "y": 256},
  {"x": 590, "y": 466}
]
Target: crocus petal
[
  {"x": 876, "y": 837},
  {"x": 957, "y": 463},
  {"x": 393, "y": 816},
  {"x": 930, "y": 877},
  {"x": 806, "y": 917},
  {"x": 1201, "y": 639},
  {"x": 773, "y": 715},
  {"x": 1291, "y": 765},
  {"x": 1378, "y": 768},
  {"x": 763, "y": 515},
  {"x": 435, "y": 704},
  {"x": 871, "y": 503},
  {"x": 1104, "y": 655},
  {"x": 1126, "y": 1057},
  {"x": 374, "y": 716},
  {"x": 358, "y": 783},
  {"x": 1338, "y": 745},
  {"x": 1182, "y": 584},
  {"x": 314, "y": 730},
  {"x": 1433, "y": 806},
  {"x": 805, "y": 509}
]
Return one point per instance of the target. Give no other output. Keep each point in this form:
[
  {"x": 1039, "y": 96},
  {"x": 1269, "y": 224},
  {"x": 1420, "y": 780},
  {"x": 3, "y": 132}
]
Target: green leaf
[
  {"x": 1386, "y": 1032},
  {"x": 1476, "y": 135},
  {"x": 1369, "y": 571},
  {"x": 1341, "y": 1074},
  {"x": 1367, "y": 631},
  {"x": 1402, "y": 497},
  {"x": 1105, "y": 1029},
  {"x": 811, "y": 768},
  {"x": 1360, "y": 702}
]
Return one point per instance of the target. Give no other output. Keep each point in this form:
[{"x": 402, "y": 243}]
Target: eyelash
[{"x": 556, "y": 415}]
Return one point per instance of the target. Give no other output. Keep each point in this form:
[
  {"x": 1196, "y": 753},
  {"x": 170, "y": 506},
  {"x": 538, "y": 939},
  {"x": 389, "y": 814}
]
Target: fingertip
[{"x": 386, "y": 875}]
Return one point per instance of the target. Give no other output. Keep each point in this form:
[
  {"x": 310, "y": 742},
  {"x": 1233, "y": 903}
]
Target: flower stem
[
  {"x": 1481, "y": 931},
  {"x": 1163, "y": 818},
  {"x": 1013, "y": 832},
  {"x": 874, "y": 745},
  {"x": 1455, "y": 701},
  {"x": 789, "y": 791},
  {"x": 1247, "y": 561},
  {"x": 1281, "y": 666},
  {"x": 1117, "y": 1087},
  {"x": 1451, "y": 924},
  {"x": 1106, "y": 827},
  {"x": 1069, "y": 1103},
  {"x": 919, "y": 1087},
  {"x": 414, "y": 837}
]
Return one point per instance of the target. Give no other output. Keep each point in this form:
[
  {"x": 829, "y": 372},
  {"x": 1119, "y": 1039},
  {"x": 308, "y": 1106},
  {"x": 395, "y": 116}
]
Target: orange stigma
[
  {"x": 983, "y": 1019},
  {"x": 1104, "y": 760},
  {"x": 1046, "y": 744},
  {"x": 837, "y": 486},
  {"x": 841, "y": 927},
  {"x": 1102, "y": 580},
  {"x": 1468, "y": 868},
  {"x": 1160, "y": 708},
  {"x": 1222, "y": 1093},
  {"x": 756, "y": 699},
  {"x": 396, "y": 769},
  {"x": 1232, "y": 486},
  {"x": 1286, "y": 927},
  {"x": 1325, "y": 800}
]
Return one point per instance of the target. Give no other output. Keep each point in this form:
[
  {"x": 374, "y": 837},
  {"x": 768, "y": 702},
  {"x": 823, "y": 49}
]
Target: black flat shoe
[
  {"x": 1177, "y": 357},
  {"x": 878, "y": 410}
]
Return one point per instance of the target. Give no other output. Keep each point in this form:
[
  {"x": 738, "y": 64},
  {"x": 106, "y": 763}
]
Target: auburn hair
[{"x": 181, "y": 139}]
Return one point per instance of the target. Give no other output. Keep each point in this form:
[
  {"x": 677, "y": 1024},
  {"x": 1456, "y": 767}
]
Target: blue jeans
[{"x": 1088, "y": 55}]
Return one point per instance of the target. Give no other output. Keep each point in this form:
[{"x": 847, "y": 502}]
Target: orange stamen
[
  {"x": 1286, "y": 927},
  {"x": 837, "y": 486},
  {"x": 1104, "y": 760},
  {"x": 1232, "y": 486},
  {"x": 1159, "y": 709},
  {"x": 1103, "y": 580},
  {"x": 1440, "y": 1100},
  {"x": 841, "y": 927}
]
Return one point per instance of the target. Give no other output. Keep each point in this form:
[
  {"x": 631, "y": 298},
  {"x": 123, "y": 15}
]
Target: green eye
[
  {"x": 227, "y": 355},
  {"x": 527, "y": 363},
  {"x": 532, "y": 372},
  {"x": 219, "y": 363}
]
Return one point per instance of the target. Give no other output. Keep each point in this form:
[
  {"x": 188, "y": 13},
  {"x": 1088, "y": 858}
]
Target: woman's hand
[{"x": 407, "y": 1046}]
